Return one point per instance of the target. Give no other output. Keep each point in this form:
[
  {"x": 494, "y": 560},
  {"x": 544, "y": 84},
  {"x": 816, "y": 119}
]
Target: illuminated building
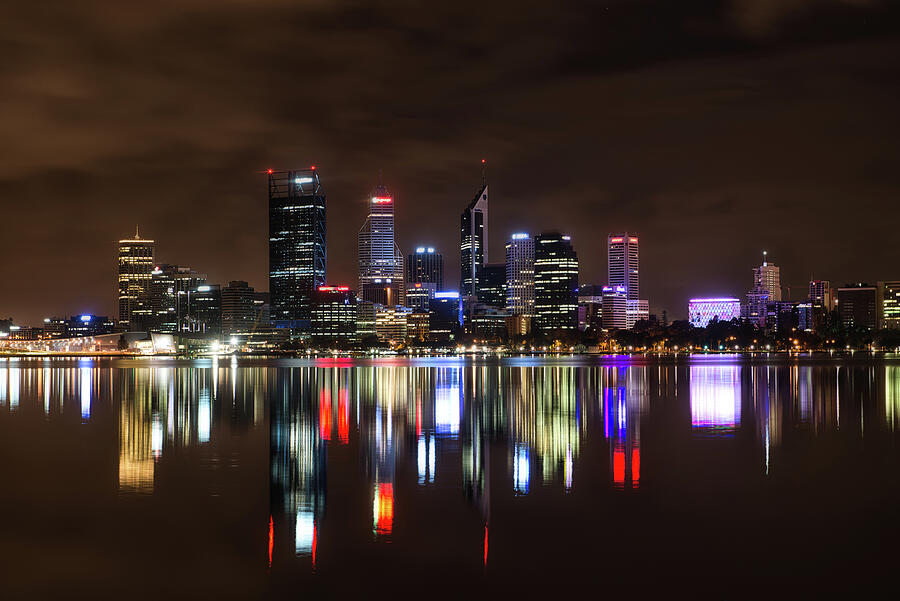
[
  {"x": 425, "y": 266},
  {"x": 755, "y": 310},
  {"x": 859, "y": 306},
  {"x": 446, "y": 316},
  {"x": 890, "y": 298},
  {"x": 555, "y": 283},
  {"x": 79, "y": 326},
  {"x": 768, "y": 277},
  {"x": 590, "y": 308},
  {"x": 238, "y": 311},
  {"x": 488, "y": 321},
  {"x": 419, "y": 295},
  {"x": 636, "y": 310},
  {"x": 334, "y": 314},
  {"x": 297, "y": 251},
  {"x": 390, "y": 323},
  {"x": 380, "y": 261},
  {"x": 365, "y": 319},
  {"x": 168, "y": 296},
  {"x": 417, "y": 325},
  {"x": 492, "y": 285},
  {"x": 702, "y": 310},
  {"x": 623, "y": 262},
  {"x": 820, "y": 294},
  {"x": 473, "y": 248},
  {"x": 615, "y": 308},
  {"x": 204, "y": 311},
  {"x": 135, "y": 268},
  {"x": 520, "y": 275},
  {"x": 54, "y": 327}
]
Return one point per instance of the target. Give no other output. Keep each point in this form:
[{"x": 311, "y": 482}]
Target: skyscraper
[
  {"x": 860, "y": 306},
  {"x": 768, "y": 277},
  {"x": 425, "y": 266},
  {"x": 297, "y": 251},
  {"x": 520, "y": 275},
  {"x": 492, "y": 285},
  {"x": 473, "y": 248},
  {"x": 555, "y": 283},
  {"x": 890, "y": 298},
  {"x": 820, "y": 293},
  {"x": 238, "y": 310},
  {"x": 623, "y": 262},
  {"x": 380, "y": 261},
  {"x": 135, "y": 269}
]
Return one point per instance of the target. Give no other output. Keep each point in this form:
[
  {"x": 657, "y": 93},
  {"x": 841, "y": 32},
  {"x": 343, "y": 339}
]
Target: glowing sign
[
  {"x": 85, "y": 318},
  {"x": 634, "y": 240},
  {"x": 431, "y": 249},
  {"x": 446, "y": 295},
  {"x": 567, "y": 237},
  {"x": 303, "y": 180},
  {"x": 519, "y": 236},
  {"x": 382, "y": 200},
  {"x": 334, "y": 288},
  {"x": 203, "y": 288},
  {"x": 420, "y": 249},
  {"x": 615, "y": 240}
]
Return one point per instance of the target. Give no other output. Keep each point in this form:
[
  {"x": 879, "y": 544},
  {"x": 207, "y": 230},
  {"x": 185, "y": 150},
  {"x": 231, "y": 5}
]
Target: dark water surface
[{"x": 449, "y": 478}]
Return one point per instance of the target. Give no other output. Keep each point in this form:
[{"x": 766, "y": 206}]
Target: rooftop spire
[
  {"x": 137, "y": 232},
  {"x": 483, "y": 175}
]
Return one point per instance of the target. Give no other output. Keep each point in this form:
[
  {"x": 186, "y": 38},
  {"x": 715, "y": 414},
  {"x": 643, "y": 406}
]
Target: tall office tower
[
  {"x": 425, "y": 266},
  {"x": 820, "y": 293},
  {"x": 238, "y": 310},
  {"x": 380, "y": 261},
  {"x": 520, "y": 275},
  {"x": 623, "y": 260},
  {"x": 768, "y": 277},
  {"x": 297, "y": 252},
  {"x": 555, "y": 283},
  {"x": 204, "y": 311},
  {"x": 135, "y": 269},
  {"x": 334, "y": 314},
  {"x": 473, "y": 246},
  {"x": 890, "y": 299},
  {"x": 860, "y": 306},
  {"x": 492, "y": 285}
]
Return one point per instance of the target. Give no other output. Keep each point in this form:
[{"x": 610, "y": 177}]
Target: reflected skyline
[{"x": 350, "y": 444}]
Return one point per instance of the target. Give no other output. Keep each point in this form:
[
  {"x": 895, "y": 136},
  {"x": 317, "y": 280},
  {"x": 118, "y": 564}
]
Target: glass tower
[
  {"x": 297, "y": 253},
  {"x": 624, "y": 264},
  {"x": 555, "y": 283},
  {"x": 135, "y": 272},
  {"x": 380, "y": 261}
]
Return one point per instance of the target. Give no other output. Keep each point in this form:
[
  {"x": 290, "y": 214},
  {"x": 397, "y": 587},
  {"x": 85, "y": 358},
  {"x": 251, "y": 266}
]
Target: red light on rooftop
[
  {"x": 269, "y": 171},
  {"x": 312, "y": 167},
  {"x": 483, "y": 161}
]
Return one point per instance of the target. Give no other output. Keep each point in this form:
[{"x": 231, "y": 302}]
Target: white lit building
[{"x": 702, "y": 310}]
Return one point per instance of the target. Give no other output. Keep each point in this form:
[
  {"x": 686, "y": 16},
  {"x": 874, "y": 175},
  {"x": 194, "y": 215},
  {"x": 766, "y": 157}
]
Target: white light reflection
[
  {"x": 421, "y": 459},
  {"x": 204, "y": 417},
  {"x": 521, "y": 470},
  {"x": 305, "y": 532},
  {"x": 85, "y": 373},
  {"x": 14, "y": 375},
  {"x": 715, "y": 399}
]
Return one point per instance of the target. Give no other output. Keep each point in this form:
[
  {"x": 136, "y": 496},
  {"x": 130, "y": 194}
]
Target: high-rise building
[
  {"x": 204, "y": 311},
  {"x": 615, "y": 308},
  {"x": 890, "y": 295},
  {"x": 820, "y": 294},
  {"x": 859, "y": 306},
  {"x": 768, "y": 277},
  {"x": 555, "y": 283},
  {"x": 623, "y": 260},
  {"x": 492, "y": 285},
  {"x": 297, "y": 250},
  {"x": 446, "y": 316},
  {"x": 238, "y": 311},
  {"x": 520, "y": 275},
  {"x": 473, "y": 248},
  {"x": 380, "y": 261},
  {"x": 334, "y": 314},
  {"x": 135, "y": 269},
  {"x": 425, "y": 266},
  {"x": 419, "y": 295},
  {"x": 702, "y": 310}
]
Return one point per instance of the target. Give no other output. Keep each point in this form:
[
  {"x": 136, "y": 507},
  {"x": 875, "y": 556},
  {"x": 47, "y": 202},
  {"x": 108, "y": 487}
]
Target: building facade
[
  {"x": 238, "y": 311},
  {"x": 703, "y": 310},
  {"x": 135, "y": 269},
  {"x": 520, "y": 275},
  {"x": 425, "y": 266},
  {"x": 380, "y": 261},
  {"x": 890, "y": 298},
  {"x": 334, "y": 314},
  {"x": 859, "y": 306},
  {"x": 473, "y": 246},
  {"x": 555, "y": 283},
  {"x": 623, "y": 262},
  {"x": 297, "y": 245}
]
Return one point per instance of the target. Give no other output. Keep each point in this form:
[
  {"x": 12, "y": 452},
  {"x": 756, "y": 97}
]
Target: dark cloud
[{"x": 713, "y": 128}]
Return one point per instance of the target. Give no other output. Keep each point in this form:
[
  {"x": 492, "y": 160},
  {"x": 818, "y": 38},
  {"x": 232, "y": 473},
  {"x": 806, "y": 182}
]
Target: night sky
[{"x": 714, "y": 129}]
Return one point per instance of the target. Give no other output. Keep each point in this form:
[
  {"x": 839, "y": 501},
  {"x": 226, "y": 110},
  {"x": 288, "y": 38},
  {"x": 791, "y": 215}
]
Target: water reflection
[{"x": 396, "y": 436}]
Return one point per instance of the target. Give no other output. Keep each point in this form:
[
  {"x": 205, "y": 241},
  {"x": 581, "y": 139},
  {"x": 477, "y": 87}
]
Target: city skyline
[{"x": 192, "y": 153}]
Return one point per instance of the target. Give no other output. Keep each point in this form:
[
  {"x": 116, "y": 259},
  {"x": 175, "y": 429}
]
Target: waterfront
[{"x": 449, "y": 477}]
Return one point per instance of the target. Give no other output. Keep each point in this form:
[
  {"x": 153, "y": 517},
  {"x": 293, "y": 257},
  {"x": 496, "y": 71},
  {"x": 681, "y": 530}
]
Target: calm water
[{"x": 716, "y": 477}]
